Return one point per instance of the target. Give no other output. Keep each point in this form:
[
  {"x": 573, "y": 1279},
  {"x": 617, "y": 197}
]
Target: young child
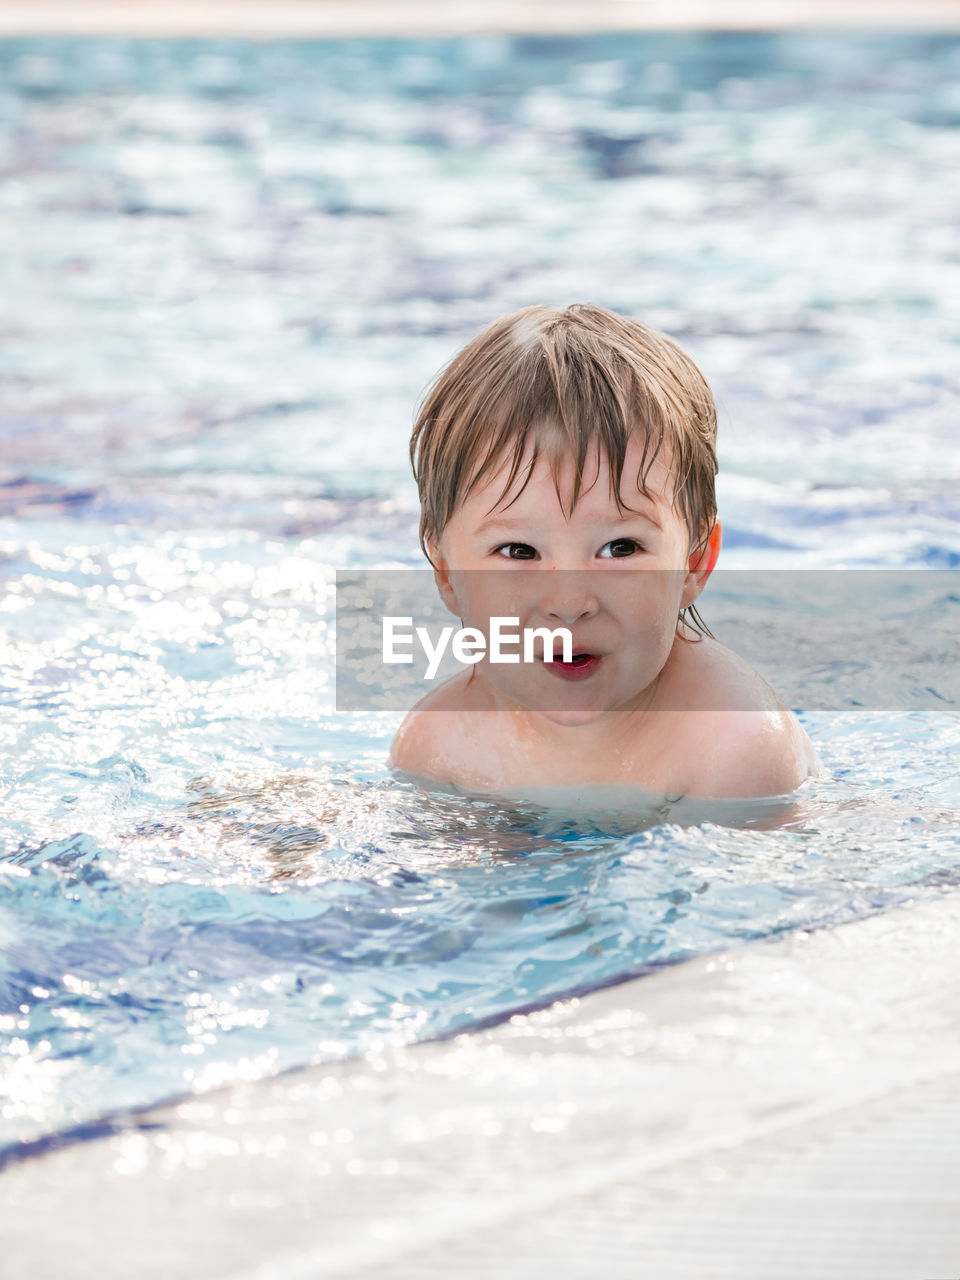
[{"x": 574, "y": 451}]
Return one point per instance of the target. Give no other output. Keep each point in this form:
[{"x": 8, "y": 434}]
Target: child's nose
[{"x": 568, "y": 596}]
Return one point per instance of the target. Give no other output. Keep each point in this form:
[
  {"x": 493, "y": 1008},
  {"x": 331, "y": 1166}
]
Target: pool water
[{"x": 229, "y": 270}]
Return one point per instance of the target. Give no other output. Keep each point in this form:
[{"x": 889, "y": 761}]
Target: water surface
[{"x": 228, "y": 272}]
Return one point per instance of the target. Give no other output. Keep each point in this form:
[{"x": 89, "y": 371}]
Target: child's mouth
[{"x": 583, "y": 665}]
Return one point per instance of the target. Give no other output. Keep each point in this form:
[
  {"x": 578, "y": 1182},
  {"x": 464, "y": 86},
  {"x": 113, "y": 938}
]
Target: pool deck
[
  {"x": 785, "y": 1109},
  {"x": 320, "y": 18}
]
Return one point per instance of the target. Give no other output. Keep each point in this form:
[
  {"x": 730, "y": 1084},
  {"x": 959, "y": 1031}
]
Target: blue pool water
[{"x": 228, "y": 272}]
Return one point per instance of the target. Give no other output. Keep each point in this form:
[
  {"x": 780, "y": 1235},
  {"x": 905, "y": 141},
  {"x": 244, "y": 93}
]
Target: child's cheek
[
  {"x": 647, "y": 607},
  {"x": 491, "y": 593},
  {"x": 648, "y": 600}
]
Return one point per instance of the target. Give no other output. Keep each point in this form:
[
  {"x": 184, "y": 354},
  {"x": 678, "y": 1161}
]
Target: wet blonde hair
[{"x": 573, "y": 382}]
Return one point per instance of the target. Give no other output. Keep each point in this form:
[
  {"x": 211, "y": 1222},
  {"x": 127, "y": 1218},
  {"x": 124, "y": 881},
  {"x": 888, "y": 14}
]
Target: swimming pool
[{"x": 236, "y": 267}]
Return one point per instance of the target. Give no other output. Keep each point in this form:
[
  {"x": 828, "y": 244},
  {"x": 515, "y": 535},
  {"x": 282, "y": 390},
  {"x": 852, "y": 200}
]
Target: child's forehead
[{"x": 536, "y": 482}]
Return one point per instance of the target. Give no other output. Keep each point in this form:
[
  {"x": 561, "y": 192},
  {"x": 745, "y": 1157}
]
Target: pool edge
[
  {"x": 323, "y": 19},
  {"x": 334, "y": 1168}
]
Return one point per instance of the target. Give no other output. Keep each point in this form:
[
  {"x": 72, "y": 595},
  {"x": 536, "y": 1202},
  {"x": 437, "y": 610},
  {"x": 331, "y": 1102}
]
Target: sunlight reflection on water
[{"x": 237, "y": 268}]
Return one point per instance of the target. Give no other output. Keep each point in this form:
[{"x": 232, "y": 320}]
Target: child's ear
[
  {"x": 441, "y": 576},
  {"x": 702, "y": 564}
]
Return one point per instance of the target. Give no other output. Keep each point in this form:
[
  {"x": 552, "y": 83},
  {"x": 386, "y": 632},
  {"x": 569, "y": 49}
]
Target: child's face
[{"x": 603, "y": 589}]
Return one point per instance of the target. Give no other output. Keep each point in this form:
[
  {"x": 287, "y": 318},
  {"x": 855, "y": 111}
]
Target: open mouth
[{"x": 583, "y": 665}]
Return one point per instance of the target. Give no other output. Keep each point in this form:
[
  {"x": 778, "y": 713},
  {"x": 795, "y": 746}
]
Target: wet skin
[{"x": 665, "y": 714}]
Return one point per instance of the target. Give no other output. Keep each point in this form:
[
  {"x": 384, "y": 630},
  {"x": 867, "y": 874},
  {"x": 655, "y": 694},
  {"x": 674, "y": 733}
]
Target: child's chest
[{"x": 493, "y": 757}]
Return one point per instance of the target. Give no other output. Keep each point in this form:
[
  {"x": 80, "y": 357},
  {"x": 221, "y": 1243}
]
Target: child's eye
[
  {"x": 619, "y": 549},
  {"x": 516, "y": 551}
]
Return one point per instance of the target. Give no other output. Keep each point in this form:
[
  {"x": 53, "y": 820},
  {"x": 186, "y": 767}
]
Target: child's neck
[{"x": 608, "y": 733}]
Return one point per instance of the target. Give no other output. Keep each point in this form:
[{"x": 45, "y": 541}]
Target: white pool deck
[
  {"x": 786, "y": 1109},
  {"x": 319, "y": 18}
]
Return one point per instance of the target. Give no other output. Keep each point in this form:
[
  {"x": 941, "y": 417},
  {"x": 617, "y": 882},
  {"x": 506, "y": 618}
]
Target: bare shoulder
[
  {"x": 417, "y": 741},
  {"x": 438, "y": 734},
  {"x": 737, "y": 740},
  {"x": 747, "y": 754}
]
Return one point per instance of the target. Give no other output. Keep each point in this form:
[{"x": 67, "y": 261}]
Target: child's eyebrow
[
  {"x": 650, "y": 517},
  {"x": 521, "y": 522},
  {"x": 503, "y": 522}
]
